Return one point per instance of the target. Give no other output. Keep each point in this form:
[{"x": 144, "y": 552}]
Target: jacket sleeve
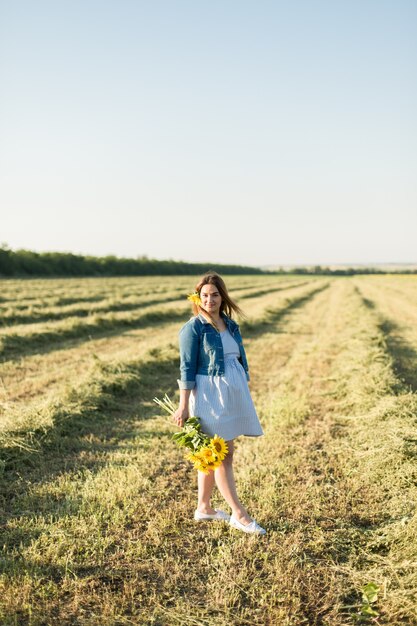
[
  {"x": 246, "y": 359},
  {"x": 189, "y": 340}
]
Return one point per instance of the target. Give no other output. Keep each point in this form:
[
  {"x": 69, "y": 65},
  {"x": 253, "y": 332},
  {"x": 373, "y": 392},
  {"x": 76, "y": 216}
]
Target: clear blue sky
[{"x": 262, "y": 132}]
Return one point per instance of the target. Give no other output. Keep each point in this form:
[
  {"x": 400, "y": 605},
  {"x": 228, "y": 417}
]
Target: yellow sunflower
[
  {"x": 207, "y": 454},
  {"x": 201, "y": 467},
  {"x": 209, "y": 458},
  {"x": 190, "y": 456},
  {"x": 219, "y": 446},
  {"x": 208, "y": 467},
  {"x": 214, "y": 465},
  {"x": 200, "y": 464},
  {"x": 195, "y": 297}
]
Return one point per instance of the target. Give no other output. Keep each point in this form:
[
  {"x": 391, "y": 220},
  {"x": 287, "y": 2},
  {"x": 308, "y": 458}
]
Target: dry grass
[{"x": 97, "y": 525}]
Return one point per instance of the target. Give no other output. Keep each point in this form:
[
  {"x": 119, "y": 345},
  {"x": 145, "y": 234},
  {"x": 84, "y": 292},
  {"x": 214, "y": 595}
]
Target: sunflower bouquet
[{"x": 205, "y": 453}]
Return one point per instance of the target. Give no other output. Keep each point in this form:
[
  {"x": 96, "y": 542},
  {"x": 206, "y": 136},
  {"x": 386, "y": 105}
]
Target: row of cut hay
[
  {"x": 64, "y": 322},
  {"x": 404, "y": 296},
  {"x": 379, "y": 453},
  {"x": 283, "y": 285},
  {"x": 402, "y": 282},
  {"x": 260, "y": 321},
  {"x": 109, "y": 382},
  {"x": 20, "y": 290},
  {"x": 404, "y": 287},
  {"x": 102, "y": 292},
  {"x": 51, "y": 337},
  {"x": 88, "y": 293},
  {"x": 38, "y": 314},
  {"x": 28, "y": 385},
  {"x": 397, "y": 316}
]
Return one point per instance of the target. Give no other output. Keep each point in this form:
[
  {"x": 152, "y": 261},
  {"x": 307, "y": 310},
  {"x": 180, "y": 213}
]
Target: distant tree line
[
  {"x": 319, "y": 270},
  {"x": 26, "y": 263},
  {"x": 327, "y": 271}
]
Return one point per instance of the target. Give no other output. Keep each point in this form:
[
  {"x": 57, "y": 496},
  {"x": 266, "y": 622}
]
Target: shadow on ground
[{"x": 403, "y": 354}]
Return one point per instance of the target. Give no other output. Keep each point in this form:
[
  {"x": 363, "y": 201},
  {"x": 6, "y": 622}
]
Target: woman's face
[{"x": 210, "y": 299}]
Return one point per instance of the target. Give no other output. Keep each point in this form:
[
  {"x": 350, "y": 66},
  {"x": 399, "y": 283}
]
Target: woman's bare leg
[
  {"x": 225, "y": 481},
  {"x": 205, "y": 489}
]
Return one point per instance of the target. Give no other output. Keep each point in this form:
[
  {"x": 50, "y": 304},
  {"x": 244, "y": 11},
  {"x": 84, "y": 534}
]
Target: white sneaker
[
  {"x": 218, "y": 515},
  {"x": 252, "y": 527}
]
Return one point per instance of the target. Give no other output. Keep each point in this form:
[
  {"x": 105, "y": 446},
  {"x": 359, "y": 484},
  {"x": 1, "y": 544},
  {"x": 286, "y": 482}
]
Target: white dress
[{"x": 223, "y": 403}]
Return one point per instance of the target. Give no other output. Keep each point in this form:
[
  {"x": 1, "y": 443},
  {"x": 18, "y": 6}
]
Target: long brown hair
[{"x": 228, "y": 305}]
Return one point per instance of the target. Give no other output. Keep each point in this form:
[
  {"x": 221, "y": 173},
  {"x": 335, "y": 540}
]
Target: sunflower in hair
[{"x": 195, "y": 298}]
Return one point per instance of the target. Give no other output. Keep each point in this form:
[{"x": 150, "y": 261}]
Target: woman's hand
[{"x": 180, "y": 416}]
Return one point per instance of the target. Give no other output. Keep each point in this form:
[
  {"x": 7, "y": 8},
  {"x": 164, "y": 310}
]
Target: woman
[{"x": 213, "y": 386}]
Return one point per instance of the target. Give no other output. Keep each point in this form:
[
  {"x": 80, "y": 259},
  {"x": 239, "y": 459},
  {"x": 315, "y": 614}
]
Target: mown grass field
[{"x": 97, "y": 502}]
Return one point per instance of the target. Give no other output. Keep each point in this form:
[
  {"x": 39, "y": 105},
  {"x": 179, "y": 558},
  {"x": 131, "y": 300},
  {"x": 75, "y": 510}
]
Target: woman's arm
[
  {"x": 189, "y": 341},
  {"x": 181, "y": 415}
]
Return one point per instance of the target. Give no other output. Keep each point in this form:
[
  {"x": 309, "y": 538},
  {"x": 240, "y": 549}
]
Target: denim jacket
[{"x": 201, "y": 349}]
